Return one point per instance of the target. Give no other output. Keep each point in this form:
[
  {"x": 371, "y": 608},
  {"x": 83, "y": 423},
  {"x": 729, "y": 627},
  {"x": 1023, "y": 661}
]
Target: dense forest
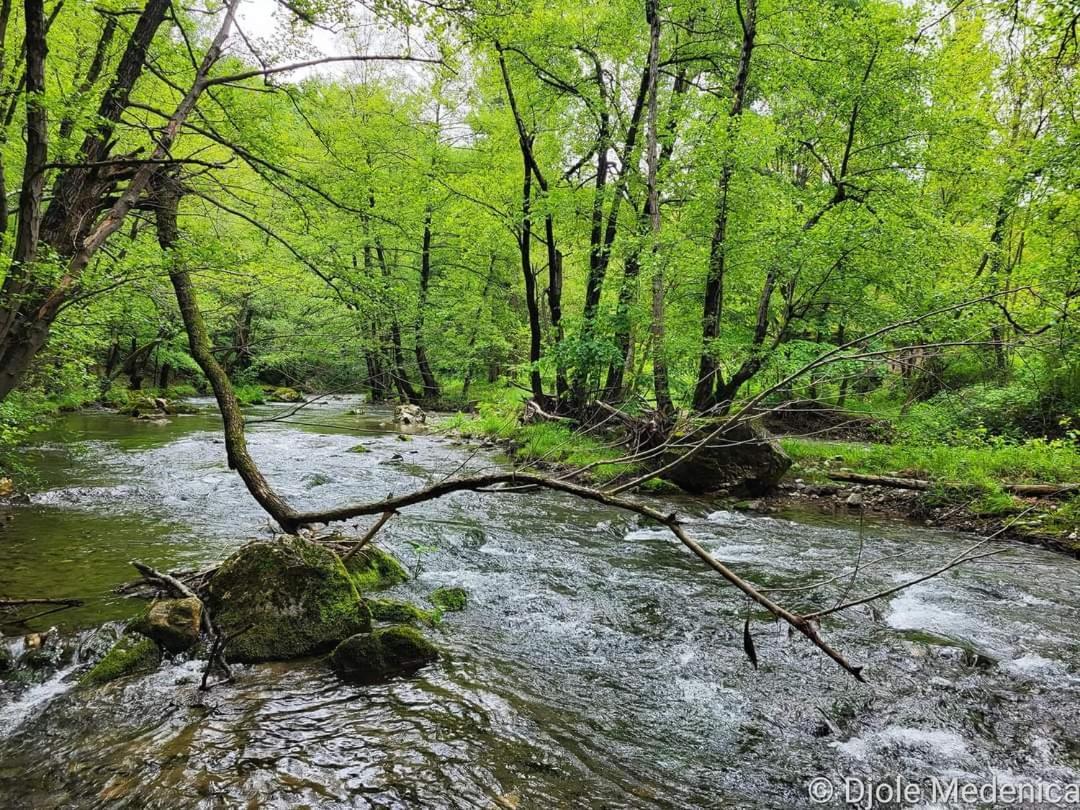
[{"x": 675, "y": 205}]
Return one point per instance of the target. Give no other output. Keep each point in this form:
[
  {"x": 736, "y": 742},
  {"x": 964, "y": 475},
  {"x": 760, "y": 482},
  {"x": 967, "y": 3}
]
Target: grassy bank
[
  {"x": 971, "y": 476},
  {"x": 542, "y": 445}
]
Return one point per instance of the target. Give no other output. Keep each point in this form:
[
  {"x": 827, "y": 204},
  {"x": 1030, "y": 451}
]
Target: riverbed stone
[
  {"x": 449, "y": 599},
  {"x": 173, "y": 623},
  {"x": 130, "y": 655},
  {"x": 393, "y": 611},
  {"x": 745, "y": 460},
  {"x": 372, "y": 568},
  {"x": 409, "y": 415},
  {"x": 370, "y": 657},
  {"x": 285, "y": 598}
]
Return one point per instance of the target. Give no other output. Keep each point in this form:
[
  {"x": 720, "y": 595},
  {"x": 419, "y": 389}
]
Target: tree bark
[
  {"x": 431, "y": 386},
  {"x": 709, "y": 372},
  {"x": 661, "y": 386}
]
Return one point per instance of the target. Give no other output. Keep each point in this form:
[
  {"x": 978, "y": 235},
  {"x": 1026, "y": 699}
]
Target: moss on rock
[
  {"x": 285, "y": 394},
  {"x": 373, "y": 568},
  {"x": 449, "y": 599},
  {"x": 370, "y": 657},
  {"x": 290, "y": 597},
  {"x": 128, "y": 656},
  {"x": 393, "y": 611},
  {"x": 358, "y": 448}
]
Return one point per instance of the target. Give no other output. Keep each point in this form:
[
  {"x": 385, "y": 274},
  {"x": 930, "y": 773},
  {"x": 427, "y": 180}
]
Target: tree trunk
[
  {"x": 661, "y": 386},
  {"x": 431, "y": 386},
  {"x": 709, "y": 373},
  {"x": 167, "y": 199},
  {"x": 535, "y": 383}
]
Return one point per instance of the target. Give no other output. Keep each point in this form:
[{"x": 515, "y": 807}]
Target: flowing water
[{"x": 598, "y": 663}]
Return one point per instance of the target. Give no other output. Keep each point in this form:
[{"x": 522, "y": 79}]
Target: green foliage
[
  {"x": 250, "y": 394},
  {"x": 1037, "y": 460}
]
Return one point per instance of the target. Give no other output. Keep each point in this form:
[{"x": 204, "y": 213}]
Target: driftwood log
[{"x": 1024, "y": 490}]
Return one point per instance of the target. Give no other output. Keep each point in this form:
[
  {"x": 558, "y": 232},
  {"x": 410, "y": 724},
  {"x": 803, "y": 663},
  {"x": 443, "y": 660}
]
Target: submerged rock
[
  {"x": 47, "y": 653},
  {"x": 290, "y": 598},
  {"x": 173, "y": 623},
  {"x": 131, "y": 655},
  {"x": 370, "y": 657},
  {"x": 393, "y": 611},
  {"x": 373, "y": 569},
  {"x": 744, "y": 460},
  {"x": 449, "y": 599}
]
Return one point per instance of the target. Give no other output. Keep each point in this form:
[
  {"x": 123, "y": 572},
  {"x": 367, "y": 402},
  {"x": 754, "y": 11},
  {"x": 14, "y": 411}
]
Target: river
[{"x": 598, "y": 663}]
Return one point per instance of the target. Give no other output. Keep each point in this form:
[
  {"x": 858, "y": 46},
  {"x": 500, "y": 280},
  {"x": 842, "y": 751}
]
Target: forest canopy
[{"x": 667, "y": 205}]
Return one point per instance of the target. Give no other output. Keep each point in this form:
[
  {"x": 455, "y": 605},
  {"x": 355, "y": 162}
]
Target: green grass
[
  {"x": 548, "y": 442},
  {"x": 1033, "y": 461}
]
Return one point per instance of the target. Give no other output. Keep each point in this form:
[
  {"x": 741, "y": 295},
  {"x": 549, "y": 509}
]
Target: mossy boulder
[
  {"x": 7, "y": 660},
  {"x": 373, "y": 569},
  {"x": 290, "y": 597},
  {"x": 371, "y": 657},
  {"x": 130, "y": 655},
  {"x": 392, "y": 611},
  {"x": 449, "y": 599},
  {"x": 284, "y": 394},
  {"x": 172, "y": 623},
  {"x": 358, "y": 448}
]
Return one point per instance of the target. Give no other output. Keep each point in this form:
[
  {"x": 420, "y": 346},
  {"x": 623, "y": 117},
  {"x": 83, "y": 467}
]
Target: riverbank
[{"x": 958, "y": 488}]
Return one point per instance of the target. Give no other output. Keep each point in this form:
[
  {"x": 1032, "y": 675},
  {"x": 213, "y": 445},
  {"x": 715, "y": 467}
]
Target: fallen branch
[
  {"x": 8, "y": 604},
  {"x": 1030, "y": 490},
  {"x": 374, "y": 530}
]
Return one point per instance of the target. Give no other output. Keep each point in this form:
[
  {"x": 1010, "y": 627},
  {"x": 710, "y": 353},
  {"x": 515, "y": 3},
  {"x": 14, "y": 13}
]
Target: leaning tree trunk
[{"x": 166, "y": 200}]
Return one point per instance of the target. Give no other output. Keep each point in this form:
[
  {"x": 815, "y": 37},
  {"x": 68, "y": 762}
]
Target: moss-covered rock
[
  {"x": 290, "y": 597},
  {"x": 147, "y": 406},
  {"x": 172, "y": 623},
  {"x": 358, "y": 448},
  {"x": 131, "y": 655},
  {"x": 393, "y": 611},
  {"x": 284, "y": 394},
  {"x": 449, "y": 599},
  {"x": 370, "y": 657},
  {"x": 7, "y": 660},
  {"x": 373, "y": 568}
]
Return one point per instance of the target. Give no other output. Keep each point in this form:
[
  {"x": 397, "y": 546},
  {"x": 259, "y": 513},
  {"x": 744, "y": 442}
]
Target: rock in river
[
  {"x": 131, "y": 655},
  {"x": 290, "y": 597},
  {"x": 373, "y": 569},
  {"x": 369, "y": 657},
  {"x": 172, "y": 623},
  {"x": 409, "y": 415}
]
